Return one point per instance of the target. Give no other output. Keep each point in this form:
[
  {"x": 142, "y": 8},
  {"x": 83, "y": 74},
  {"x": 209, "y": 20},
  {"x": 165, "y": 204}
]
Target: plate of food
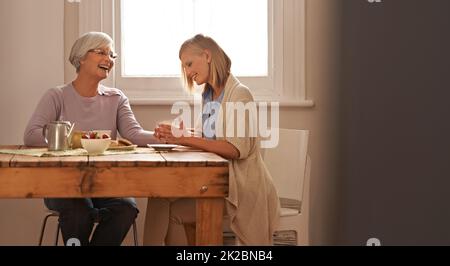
[
  {"x": 122, "y": 145},
  {"x": 162, "y": 147}
]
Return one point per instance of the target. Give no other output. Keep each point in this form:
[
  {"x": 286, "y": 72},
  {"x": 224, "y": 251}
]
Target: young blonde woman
[{"x": 252, "y": 204}]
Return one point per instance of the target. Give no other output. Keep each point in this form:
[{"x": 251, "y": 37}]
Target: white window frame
[{"x": 286, "y": 83}]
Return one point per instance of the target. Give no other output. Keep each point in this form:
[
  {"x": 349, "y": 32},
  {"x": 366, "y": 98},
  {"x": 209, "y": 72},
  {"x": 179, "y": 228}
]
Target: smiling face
[
  {"x": 97, "y": 63},
  {"x": 196, "y": 65}
]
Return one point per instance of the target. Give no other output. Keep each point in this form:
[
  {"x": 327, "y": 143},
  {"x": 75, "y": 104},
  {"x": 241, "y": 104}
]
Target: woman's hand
[{"x": 165, "y": 133}]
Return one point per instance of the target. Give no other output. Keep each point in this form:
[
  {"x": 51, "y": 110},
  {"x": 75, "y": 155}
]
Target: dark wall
[{"x": 395, "y": 123}]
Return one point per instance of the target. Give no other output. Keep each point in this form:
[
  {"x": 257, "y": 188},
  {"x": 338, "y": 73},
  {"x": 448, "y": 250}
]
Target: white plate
[
  {"x": 122, "y": 148},
  {"x": 162, "y": 147}
]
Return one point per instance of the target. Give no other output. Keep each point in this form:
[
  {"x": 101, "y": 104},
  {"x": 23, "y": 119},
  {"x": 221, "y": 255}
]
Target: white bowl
[{"x": 95, "y": 146}]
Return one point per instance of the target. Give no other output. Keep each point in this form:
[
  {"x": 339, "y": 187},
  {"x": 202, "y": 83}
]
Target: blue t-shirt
[{"x": 210, "y": 112}]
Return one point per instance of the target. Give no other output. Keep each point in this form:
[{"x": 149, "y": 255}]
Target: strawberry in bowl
[{"x": 95, "y": 143}]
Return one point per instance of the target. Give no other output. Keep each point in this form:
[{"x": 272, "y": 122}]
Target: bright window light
[{"x": 153, "y": 31}]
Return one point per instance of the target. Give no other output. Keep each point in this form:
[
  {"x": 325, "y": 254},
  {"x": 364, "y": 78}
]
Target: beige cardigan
[{"x": 252, "y": 204}]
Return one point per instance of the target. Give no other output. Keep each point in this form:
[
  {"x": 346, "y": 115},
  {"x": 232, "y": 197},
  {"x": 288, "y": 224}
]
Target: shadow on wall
[{"x": 395, "y": 131}]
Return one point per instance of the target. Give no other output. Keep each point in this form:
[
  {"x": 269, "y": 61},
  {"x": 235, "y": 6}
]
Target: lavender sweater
[{"x": 109, "y": 110}]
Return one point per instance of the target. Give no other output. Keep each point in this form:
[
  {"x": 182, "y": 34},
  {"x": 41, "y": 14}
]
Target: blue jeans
[{"x": 77, "y": 217}]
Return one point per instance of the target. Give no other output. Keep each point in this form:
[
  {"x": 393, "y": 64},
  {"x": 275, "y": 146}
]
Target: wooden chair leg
[{"x": 189, "y": 228}]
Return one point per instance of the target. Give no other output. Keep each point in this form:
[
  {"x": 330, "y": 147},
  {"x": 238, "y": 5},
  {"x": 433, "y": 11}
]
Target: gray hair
[{"x": 89, "y": 41}]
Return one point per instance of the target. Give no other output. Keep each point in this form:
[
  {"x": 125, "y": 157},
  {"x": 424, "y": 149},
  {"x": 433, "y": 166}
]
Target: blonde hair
[
  {"x": 89, "y": 41},
  {"x": 220, "y": 65}
]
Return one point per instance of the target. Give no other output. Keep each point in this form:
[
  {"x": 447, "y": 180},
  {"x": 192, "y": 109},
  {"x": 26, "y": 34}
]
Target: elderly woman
[
  {"x": 252, "y": 204},
  {"x": 90, "y": 105}
]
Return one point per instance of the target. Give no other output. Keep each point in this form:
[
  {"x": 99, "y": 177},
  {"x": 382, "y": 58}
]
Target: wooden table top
[{"x": 185, "y": 158}]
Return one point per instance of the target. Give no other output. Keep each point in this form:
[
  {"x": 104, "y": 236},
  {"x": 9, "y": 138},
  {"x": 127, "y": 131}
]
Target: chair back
[{"x": 287, "y": 165}]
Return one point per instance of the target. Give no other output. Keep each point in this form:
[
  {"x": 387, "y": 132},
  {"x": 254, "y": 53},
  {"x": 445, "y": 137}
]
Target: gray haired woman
[{"x": 90, "y": 105}]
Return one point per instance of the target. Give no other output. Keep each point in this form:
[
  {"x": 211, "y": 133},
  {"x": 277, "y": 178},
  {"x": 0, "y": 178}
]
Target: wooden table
[{"x": 175, "y": 174}]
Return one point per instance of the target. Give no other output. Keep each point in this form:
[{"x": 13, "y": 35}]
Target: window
[
  {"x": 151, "y": 50},
  {"x": 264, "y": 39}
]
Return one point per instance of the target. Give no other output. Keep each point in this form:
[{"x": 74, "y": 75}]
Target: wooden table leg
[{"x": 209, "y": 221}]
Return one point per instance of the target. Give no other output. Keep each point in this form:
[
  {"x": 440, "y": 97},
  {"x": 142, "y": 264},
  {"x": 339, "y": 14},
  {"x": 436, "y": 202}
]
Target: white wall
[{"x": 31, "y": 53}]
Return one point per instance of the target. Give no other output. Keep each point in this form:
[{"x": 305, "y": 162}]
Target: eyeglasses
[{"x": 110, "y": 54}]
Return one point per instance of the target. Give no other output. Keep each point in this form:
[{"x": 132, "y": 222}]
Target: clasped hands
[{"x": 165, "y": 133}]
